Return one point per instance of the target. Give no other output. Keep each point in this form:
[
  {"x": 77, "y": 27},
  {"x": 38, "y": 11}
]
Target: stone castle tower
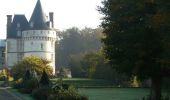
[{"x": 34, "y": 37}]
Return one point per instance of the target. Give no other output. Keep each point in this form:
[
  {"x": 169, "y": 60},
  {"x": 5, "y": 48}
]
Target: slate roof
[
  {"x": 18, "y": 19},
  {"x": 38, "y": 18}
]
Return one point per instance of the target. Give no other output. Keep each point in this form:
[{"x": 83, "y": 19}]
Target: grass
[
  {"x": 83, "y": 82},
  {"x": 21, "y": 95},
  {"x": 114, "y": 93}
]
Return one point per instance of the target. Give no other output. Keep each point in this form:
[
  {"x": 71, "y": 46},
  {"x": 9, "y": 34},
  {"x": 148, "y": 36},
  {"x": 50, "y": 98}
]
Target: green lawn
[
  {"x": 84, "y": 82},
  {"x": 114, "y": 93},
  {"x": 20, "y": 95}
]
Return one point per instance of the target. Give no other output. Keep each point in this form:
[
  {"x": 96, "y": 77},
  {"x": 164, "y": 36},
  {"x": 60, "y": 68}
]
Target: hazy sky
[{"x": 67, "y": 13}]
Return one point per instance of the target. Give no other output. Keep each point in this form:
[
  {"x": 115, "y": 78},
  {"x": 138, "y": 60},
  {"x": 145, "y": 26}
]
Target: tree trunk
[{"x": 156, "y": 88}]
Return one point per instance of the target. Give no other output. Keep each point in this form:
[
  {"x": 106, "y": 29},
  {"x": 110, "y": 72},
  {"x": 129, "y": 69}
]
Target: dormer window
[
  {"x": 18, "y": 25},
  {"x": 32, "y": 24}
]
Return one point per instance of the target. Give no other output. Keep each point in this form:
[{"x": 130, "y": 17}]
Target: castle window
[
  {"x": 42, "y": 46},
  {"x": 33, "y": 32},
  {"x": 18, "y": 33},
  {"x": 18, "y": 25},
  {"x": 31, "y": 43},
  {"x": 3, "y": 54}
]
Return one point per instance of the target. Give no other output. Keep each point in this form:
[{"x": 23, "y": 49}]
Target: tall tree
[
  {"x": 76, "y": 42},
  {"x": 137, "y": 38}
]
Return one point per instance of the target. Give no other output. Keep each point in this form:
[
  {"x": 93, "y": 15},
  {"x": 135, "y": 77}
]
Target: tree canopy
[
  {"x": 137, "y": 38},
  {"x": 33, "y": 64},
  {"x": 76, "y": 42}
]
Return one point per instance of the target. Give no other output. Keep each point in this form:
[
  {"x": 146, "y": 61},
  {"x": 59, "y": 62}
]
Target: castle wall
[
  {"x": 40, "y": 43},
  {"x": 2, "y": 52},
  {"x": 12, "y": 52}
]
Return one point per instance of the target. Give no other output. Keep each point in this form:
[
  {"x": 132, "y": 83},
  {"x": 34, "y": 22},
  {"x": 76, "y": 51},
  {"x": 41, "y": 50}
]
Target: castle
[{"x": 34, "y": 37}]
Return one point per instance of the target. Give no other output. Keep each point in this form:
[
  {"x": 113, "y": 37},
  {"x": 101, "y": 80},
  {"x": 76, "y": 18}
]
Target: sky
[{"x": 67, "y": 13}]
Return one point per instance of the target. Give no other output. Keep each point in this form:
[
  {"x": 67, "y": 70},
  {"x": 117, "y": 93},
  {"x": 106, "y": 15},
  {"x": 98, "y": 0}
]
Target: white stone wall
[
  {"x": 11, "y": 52},
  {"x": 40, "y": 43}
]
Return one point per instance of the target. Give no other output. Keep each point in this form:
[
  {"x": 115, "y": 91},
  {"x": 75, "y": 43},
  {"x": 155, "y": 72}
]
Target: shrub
[
  {"x": 27, "y": 75},
  {"x": 66, "y": 95},
  {"x": 41, "y": 93},
  {"x": 44, "y": 81},
  {"x": 29, "y": 85},
  {"x": 65, "y": 92},
  {"x": 2, "y": 78},
  {"x": 17, "y": 84},
  {"x": 25, "y": 86}
]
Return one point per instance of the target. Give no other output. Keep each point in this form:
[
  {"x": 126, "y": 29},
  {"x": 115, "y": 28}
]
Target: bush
[
  {"x": 66, "y": 95},
  {"x": 26, "y": 86},
  {"x": 2, "y": 78},
  {"x": 41, "y": 93},
  {"x": 17, "y": 84},
  {"x": 29, "y": 85},
  {"x": 65, "y": 92},
  {"x": 44, "y": 81}
]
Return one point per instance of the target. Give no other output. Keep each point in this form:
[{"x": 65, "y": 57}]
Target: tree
[
  {"x": 33, "y": 64},
  {"x": 27, "y": 75},
  {"x": 44, "y": 81},
  {"x": 90, "y": 62},
  {"x": 137, "y": 39},
  {"x": 75, "y": 42}
]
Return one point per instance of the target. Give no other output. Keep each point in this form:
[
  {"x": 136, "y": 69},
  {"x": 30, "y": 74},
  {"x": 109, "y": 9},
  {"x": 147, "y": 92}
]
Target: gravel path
[{"x": 6, "y": 95}]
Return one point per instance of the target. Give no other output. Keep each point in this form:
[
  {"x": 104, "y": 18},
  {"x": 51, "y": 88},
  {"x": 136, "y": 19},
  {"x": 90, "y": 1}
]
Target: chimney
[
  {"x": 51, "y": 15},
  {"x": 9, "y": 21}
]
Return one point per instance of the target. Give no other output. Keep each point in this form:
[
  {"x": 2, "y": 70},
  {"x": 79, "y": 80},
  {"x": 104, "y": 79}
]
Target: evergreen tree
[
  {"x": 44, "y": 81},
  {"x": 27, "y": 75},
  {"x": 137, "y": 39}
]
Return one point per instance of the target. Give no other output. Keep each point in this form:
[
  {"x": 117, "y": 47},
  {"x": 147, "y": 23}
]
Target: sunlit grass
[{"x": 114, "y": 93}]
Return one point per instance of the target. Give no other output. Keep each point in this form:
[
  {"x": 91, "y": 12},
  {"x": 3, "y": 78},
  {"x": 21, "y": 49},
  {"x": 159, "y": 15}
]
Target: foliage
[
  {"x": 66, "y": 95},
  {"x": 77, "y": 70},
  {"x": 41, "y": 93},
  {"x": 31, "y": 63},
  {"x": 44, "y": 81},
  {"x": 97, "y": 67},
  {"x": 27, "y": 75},
  {"x": 3, "y": 75},
  {"x": 75, "y": 42},
  {"x": 29, "y": 85},
  {"x": 137, "y": 39},
  {"x": 17, "y": 84},
  {"x": 59, "y": 91},
  {"x": 63, "y": 72},
  {"x": 90, "y": 62},
  {"x": 63, "y": 91},
  {"x": 26, "y": 84}
]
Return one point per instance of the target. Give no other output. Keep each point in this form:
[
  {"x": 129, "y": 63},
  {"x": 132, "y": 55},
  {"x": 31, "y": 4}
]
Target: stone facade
[
  {"x": 2, "y": 53},
  {"x": 34, "y": 37}
]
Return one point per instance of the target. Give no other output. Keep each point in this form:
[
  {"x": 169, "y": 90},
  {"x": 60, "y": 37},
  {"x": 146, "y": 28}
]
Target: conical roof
[{"x": 38, "y": 18}]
